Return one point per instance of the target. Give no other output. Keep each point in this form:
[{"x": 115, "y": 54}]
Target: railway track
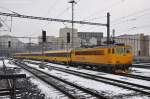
[
  {"x": 128, "y": 75},
  {"x": 131, "y": 86},
  {"x": 127, "y": 85},
  {"x": 71, "y": 90},
  {"x": 9, "y": 82},
  {"x": 135, "y": 76},
  {"x": 10, "y": 90},
  {"x": 141, "y": 66},
  {"x": 120, "y": 74},
  {"x": 5, "y": 72}
]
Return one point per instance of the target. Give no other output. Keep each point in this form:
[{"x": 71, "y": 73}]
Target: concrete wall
[{"x": 76, "y": 40}]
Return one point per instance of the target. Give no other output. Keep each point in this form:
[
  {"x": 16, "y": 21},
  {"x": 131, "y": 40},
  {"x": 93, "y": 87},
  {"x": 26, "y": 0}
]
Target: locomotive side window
[
  {"x": 58, "y": 54},
  {"x": 97, "y": 52}
]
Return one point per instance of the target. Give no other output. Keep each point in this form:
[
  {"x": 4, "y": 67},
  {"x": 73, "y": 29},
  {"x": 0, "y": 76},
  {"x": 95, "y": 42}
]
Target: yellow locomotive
[{"x": 109, "y": 58}]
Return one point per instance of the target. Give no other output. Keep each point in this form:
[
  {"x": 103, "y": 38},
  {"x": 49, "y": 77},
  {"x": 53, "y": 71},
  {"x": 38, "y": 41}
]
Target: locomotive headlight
[
  {"x": 118, "y": 62},
  {"x": 109, "y": 61}
]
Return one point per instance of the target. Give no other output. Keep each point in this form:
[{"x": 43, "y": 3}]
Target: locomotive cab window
[
  {"x": 120, "y": 50},
  {"x": 113, "y": 50},
  {"x": 109, "y": 51},
  {"x": 127, "y": 50}
]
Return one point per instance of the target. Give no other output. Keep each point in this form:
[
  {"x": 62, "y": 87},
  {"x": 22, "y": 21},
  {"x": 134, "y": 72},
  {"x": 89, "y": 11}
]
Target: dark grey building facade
[{"x": 88, "y": 35}]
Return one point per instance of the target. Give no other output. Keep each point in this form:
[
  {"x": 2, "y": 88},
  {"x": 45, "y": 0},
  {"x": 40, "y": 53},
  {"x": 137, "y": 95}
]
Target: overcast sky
[{"x": 127, "y": 16}]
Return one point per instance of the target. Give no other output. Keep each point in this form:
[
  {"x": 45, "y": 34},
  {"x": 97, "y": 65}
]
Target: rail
[
  {"x": 46, "y": 77},
  {"x": 131, "y": 86}
]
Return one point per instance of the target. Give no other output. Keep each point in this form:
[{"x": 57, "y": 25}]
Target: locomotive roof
[
  {"x": 57, "y": 51},
  {"x": 104, "y": 46},
  {"x": 51, "y": 51},
  {"x": 67, "y": 51}
]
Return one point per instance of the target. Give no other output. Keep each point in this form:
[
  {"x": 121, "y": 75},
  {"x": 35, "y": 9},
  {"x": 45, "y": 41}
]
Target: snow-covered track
[
  {"x": 6, "y": 73},
  {"x": 124, "y": 84},
  {"x": 141, "y": 66},
  {"x": 129, "y": 75},
  {"x": 120, "y": 74},
  {"x": 135, "y": 76},
  {"x": 72, "y": 90}
]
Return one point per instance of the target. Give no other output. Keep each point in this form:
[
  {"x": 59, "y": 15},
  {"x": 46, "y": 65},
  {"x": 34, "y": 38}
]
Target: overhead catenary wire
[
  {"x": 90, "y": 28},
  {"x": 50, "y": 19},
  {"x": 51, "y": 7},
  {"x": 91, "y": 20},
  {"x": 61, "y": 13},
  {"x": 65, "y": 10},
  {"x": 9, "y": 27},
  {"x": 124, "y": 17},
  {"x": 103, "y": 10},
  {"x": 132, "y": 14},
  {"x": 139, "y": 27},
  {"x": 9, "y": 10},
  {"x": 131, "y": 19},
  {"x": 133, "y": 28},
  {"x": 5, "y": 24}
]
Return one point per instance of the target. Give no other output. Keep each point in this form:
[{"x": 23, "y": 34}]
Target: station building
[
  {"x": 80, "y": 39},
  {"x": 15, "y": 46},
  {"x": 140, "y": 43}
]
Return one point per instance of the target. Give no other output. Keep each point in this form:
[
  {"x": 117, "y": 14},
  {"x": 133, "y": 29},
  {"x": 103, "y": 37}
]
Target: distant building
[
  {"x": 32, "y": 47},
  {"x": 79, "y": 39},
  {"x": 76, "y": 40},
  {"x": 50, "y": 43},
  {"x": 90, "y": 38},
  {"x": 146, "y": 45},
  {"x": 16, "y": 45},
  {"x": 140, "y": 43},
  {"x": 135, "y": 41}
]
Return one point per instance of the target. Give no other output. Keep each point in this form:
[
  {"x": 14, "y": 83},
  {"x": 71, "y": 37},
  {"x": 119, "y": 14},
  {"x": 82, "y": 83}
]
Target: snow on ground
[
  {"x": 122, "y": 78},
  {"x": 101, "y": 87},
  {"x": 108, "y": 90},
  {"x": 141, "y": 71},
  {"x": 32, "y": 61},
  {"x": 9, "y": 64},
  {"x": 50, "y": 92},
  {"x": 138, "y": 97},
  {"x": 145, "y": 63},
  {"x": 141, "y": 64},
  {"x": 1, "y": 63}
]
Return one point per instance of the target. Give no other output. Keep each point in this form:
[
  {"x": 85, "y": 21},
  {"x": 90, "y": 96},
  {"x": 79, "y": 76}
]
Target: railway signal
[
  {"x": 43, "y": 36},
  {"x": 68, "y": 37},
  {"x": 9, "y": 44}
]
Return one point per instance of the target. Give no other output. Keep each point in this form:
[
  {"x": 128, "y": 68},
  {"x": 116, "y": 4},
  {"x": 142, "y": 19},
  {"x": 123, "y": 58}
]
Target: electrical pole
[
  {"x": 113, "y": 34},
  {"x": 29, "y": 44},
  {"x": 108, "y": 28},
  {"x": 43, "y": 47},
  {"x": 11, "y": 25},
  {"x": 72, "y": 2}
]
